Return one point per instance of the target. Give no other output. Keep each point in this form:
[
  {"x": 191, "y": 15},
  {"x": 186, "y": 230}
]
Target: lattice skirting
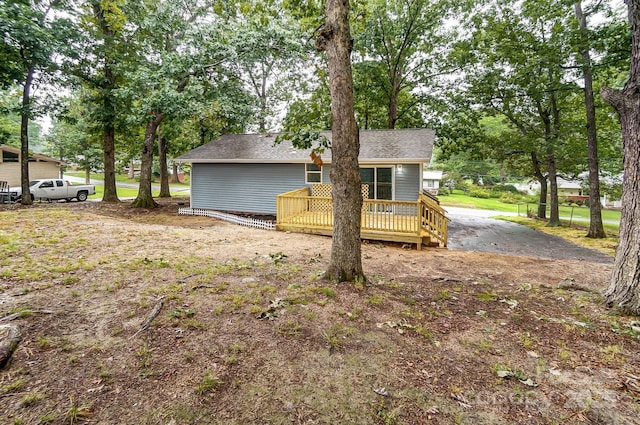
[{"x": 243, "y": 221}]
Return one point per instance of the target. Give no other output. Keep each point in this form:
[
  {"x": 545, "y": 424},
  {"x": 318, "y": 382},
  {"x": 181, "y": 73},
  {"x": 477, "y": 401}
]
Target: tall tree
[
  {"x": 335, "y": 39},
  {"x": 514, "y": 67},
  {"x": 269, "y": 53},
  {"x": 596, "y": 227},
  {"x": 190, "y": 46},
  {"x": 397, "y": 51},
  {"x": 624, "y": 289},
  {"x": 104, "y": 22},
  {"x": 162, "y": 164},
  {"x": 32, "y": 33},
  {"x": 70, "y": 139}
]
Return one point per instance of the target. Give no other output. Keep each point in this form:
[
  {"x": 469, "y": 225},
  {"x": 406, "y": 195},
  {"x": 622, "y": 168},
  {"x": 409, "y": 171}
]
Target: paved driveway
[{"x": 474, "y": 230}]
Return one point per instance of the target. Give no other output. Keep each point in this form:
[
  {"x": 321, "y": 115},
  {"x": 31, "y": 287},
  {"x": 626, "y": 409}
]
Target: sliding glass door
[{"x": 380, "y": 181}]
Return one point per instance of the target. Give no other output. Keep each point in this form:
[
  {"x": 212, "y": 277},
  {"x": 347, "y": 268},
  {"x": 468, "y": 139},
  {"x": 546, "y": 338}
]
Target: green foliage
[
  {"x": 512, "y": 198},
  {"x": 278, "y": 257},
  {"x": 207, "y": 385},
  {"x": 518, "y": 99},
  {"x": 337, "y": 334},
  {"x": 500, "y": 188},
  {"x": 395, "y": 55},
  {"x": 477, "y": 192},
  {"x": 270, "y": 54},
  {"x": 305, "y": 139},
  {"x": 180, "y": 313},
  {"x": 312, "y": 108}
]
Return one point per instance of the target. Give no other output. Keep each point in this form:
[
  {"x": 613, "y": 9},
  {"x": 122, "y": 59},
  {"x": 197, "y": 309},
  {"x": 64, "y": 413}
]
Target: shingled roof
[{"x": 376, "y": 146}]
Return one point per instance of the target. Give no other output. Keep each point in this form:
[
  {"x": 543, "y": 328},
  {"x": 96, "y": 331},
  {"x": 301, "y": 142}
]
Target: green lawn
[
  {"x": 122, "y": 192},
  {"x": 573, "y": 215},
  {"x": 460, "y": 199},
  {"x": 121, "y": 178}
]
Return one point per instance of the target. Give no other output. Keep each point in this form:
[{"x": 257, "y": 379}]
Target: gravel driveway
[{"x": 474, "y": 230}]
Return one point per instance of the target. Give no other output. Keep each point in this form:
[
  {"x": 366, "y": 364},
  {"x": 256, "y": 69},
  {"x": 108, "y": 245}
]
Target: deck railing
[
  {"x": 424, "y": 218},
  {"x": 291, "y": 204},
  {"x": 433, "y": 219}
]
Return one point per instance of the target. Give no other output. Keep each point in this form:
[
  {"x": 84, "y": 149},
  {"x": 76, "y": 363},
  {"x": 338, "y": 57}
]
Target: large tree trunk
[
  {"x": 107, "y": 86},
  {"x": 392, "y": 112},
  {"x": 596, "y": 228},
  {"x": 554, "y": 213},
  {"x": 109, "y": 148},
  {"x": 624, "y": 290},
  {"x": 164, "y": 170},
  {"x": 174, "y": 174},
  {"x": 145, "y": 198},
  {"x": 263, "y": 105},
  {"x": 554, "y": 138},
  {"x": 24, "y": 138},
  {"x": 346, "y": 259},
  {"x": 542, "y": 200},
  {"x": 132, "y": 172},
  {"x": 550, "y": 116}
]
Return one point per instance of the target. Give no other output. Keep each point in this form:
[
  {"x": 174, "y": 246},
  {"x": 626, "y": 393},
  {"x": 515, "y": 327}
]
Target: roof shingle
[{"x": 376, "y": 146}]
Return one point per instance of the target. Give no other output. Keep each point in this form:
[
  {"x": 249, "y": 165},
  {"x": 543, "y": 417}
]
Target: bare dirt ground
[{"x": 247, "y": 332}]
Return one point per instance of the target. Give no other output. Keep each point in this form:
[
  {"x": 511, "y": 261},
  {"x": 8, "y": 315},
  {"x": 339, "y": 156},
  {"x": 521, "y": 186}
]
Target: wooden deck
[{"x": 420, "y": 222}]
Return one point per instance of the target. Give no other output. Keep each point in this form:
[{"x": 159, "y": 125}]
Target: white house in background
[
  {"x": 575, "y": 189},
  {"x": 569, "y": 187},
  {"x": 565, "y": 187},
  {"x": 431, "y": 180}
]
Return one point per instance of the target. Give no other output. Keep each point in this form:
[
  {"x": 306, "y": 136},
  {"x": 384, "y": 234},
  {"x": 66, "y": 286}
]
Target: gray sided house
[{"x": 246, "y": 172}]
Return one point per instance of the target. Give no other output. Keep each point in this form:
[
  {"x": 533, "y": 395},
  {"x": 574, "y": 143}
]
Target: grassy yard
[
  {"x": 144, "y": 316},
  {"x": 124, "y": 192},
  {"x": 575, "y": 220},
  {"x": 460, "y": 199},
  {"x": 120, "y": 178},
  {"x": 572, "y": 215}
]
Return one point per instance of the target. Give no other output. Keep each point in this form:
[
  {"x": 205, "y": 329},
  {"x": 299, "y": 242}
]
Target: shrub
[
  {"x": 512, "y": 198},
  {"x": 476, "y": 192},
  {"x": 464, "y": 186},
  {"x": 501, "y": 188}
]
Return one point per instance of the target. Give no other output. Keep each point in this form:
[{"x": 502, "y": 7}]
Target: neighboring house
[
  {"x": 573, "y": 189},
  {"x": 246, "y": 172},
  {"x": 566, "y": 188},
  {"x": 569, "y": 188},
  {"x": 40, "y": 166},
  {"x": 431, "y": 181}
]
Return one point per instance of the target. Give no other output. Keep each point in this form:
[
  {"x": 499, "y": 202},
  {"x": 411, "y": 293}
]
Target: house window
[
  {"x": 380, "y": 181},
  {"x": 10, "y": 157},
  {"x": 313, "y": 174}
]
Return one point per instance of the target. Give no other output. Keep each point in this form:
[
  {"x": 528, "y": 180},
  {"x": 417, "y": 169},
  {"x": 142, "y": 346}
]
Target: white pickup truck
[{"x": 54, "y": 189}]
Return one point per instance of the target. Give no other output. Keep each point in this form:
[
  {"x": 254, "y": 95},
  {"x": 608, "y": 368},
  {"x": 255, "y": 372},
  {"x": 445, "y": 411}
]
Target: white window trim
[{"x": 307, "y": 172}]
